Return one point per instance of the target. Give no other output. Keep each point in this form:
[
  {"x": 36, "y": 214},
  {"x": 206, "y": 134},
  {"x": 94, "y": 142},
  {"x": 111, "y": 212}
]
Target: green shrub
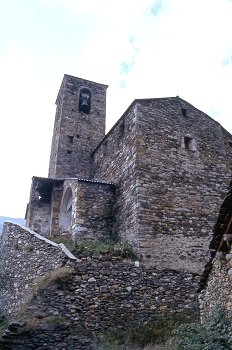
[
  {"x": 3, "y": 324},
  {"x": 213, "y": 334},
  {"x": 155, "y": 331},
  {"x": 89, "y": 248},
  {"x": 109, "y": 344}
]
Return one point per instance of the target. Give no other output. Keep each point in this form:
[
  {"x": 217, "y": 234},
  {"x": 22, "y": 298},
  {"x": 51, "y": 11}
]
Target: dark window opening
[
  {"x": 69, "y": 152},
  {"x": 187, "y": 142},
  {"x": 184, "y": 112},
  {"x": 70, "y": 138},
  {"x": 190, "y": 143},
  {"x": 85, "y": 101},
  {"x": 44, "y": 192},
  {"x": 121, "y": 129},
  {"x": 78, "y": 136},
  {"x": 230, "y": 143}
]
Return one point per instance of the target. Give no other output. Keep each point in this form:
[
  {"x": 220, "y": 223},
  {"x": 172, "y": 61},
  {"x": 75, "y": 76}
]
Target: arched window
[
  {"x": 66, "y": 210},
  {"x": 85, "y": 101}
]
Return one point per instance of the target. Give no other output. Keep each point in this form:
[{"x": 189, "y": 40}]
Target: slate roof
[{"x": 57, "y": 180}]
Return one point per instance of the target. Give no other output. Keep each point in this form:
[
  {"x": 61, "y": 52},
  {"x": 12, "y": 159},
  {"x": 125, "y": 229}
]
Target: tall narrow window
[
  {"x": 187, "y": 142},
  {"x": 121, "y": 129},
  {"x": 184, "y": 112},
  {"x": 85, "y": 101},
  {"x": 70, "y": 139}
]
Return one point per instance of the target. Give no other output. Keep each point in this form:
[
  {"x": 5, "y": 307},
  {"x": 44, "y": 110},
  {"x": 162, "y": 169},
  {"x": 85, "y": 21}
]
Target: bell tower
[{"x": 79, "y": 127}]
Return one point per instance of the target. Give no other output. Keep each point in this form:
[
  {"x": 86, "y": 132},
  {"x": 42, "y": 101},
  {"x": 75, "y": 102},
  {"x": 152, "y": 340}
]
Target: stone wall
[
  {"x": 114, "y": 160},
  {"x": 217, "y": 293},
  {"x": 106, "y": 291},
  {"x": 216, "y": 280},
  {"x": 93, "y": 214},
  {"x": 101, "y": 292},
  {"x": 43, "y": 210},
  {"x": 25, "y": 256},
  {"x": 184, "y": 169},
  {"x": 171, "y": 163},
  {"x": 47, "y": 336},
  {"x": 91, "y": 211},
  {"x": 76, "y": 133}
]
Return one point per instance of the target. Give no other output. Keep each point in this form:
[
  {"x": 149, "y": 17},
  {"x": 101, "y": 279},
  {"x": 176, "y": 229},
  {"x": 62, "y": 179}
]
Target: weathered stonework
[
  {"x": 216, "y": 280},
  {"x": 83, "y": 207},
  {"x": 24, "y": 257},
  {"x": 102, "y": 291},
  {"x": 168, "y": 193},
  {"x": 218, "y": 291},
  {"x": 115, "y": 159},
  {"x": 76, "y": 133},
  {"x": 43, "y": 210},
  {"x": 156, "y": 180}
]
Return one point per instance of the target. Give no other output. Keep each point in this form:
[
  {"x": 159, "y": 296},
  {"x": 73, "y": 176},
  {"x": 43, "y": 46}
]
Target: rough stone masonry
[
  {"x": 101, "y": 291},
  {"x": 155, "y": 180}
]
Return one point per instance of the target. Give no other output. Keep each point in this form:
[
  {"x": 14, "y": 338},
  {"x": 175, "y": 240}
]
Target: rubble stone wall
[
  {"x": 217, "y": 293},
  {"x": 75, "y": 133},
  {"x": 114, "y": 160},
  {"x": 101, "y": 292},
  {"x": 25, "y": 256},
  {"x": 183, "y": 169},
  {"x": 171, "y": 163},
  {"x": 38, "y": 216},
  {"x": 93, "y": 213}
]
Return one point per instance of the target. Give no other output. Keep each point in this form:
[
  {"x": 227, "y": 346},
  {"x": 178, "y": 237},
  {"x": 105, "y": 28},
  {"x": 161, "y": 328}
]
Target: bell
[{"x": 84, "y": 102}]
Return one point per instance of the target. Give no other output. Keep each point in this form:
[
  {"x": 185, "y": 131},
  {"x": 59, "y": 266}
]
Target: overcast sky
[{"x": 140, "y": 48}]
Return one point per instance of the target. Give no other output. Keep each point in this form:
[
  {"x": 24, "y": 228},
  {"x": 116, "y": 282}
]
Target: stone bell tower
[{"x": 79, "y": 127}]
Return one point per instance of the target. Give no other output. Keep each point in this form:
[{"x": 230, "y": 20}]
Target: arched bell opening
[{"x": 85, "y": 101}]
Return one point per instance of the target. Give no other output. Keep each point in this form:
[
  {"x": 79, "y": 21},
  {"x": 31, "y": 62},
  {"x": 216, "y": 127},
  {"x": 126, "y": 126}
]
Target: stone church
[{"x": 155, "y": 180}]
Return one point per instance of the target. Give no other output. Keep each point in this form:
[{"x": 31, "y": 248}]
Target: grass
[
  {"x": 3, "y": 324},
  {"x": 35, "y": 323},
  {"x": 59, "y": 276},
  {"x": 90, "y": 248},
  {"x": 148, "y": 335}
]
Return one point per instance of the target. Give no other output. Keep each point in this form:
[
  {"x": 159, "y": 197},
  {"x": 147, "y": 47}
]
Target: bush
[
  {"x": 156, "y": 331},
  {"x": 89, "y": 248},
  {"x": 213, "y": 334},
  {"x": 3, "y": 324}
]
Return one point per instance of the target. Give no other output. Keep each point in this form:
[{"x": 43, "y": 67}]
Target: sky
[{"x": 140, "y": 48}]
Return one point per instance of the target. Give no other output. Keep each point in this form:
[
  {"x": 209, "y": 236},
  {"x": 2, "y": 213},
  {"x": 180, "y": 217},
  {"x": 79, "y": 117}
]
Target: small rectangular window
[
  {"x": 69, "y": 152},
  {"x": 189, "y": 143},
  {"x": 121, "y": 130},
  {"x": 184, "y": 112},
  {"x": 70, "y": 139}
]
